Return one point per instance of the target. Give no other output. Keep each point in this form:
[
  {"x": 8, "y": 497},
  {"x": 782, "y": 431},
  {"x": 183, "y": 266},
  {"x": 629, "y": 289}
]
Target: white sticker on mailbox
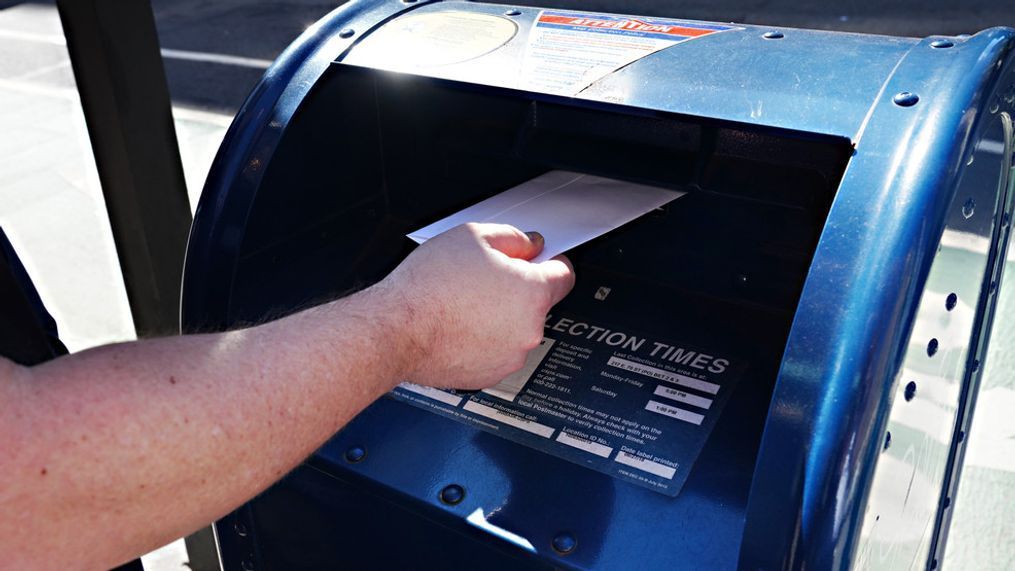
[{"x": 436, "y": 38}]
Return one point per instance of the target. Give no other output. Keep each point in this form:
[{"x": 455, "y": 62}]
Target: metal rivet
[
  {"x": 355, "y": 454},
  {"x": 564, "y": 543},
  {"x": 962, "y": 435},
  {"x": 941, "y": 44},
  {"x": 932, "y": 346},
  {"x": 513, "y": 13},
  {"x": 975, "y": 365},
  {"x": 994, "y": 107},
  {"x": 993, "y": 287},
  {"x": 968, "y": 208},
  {"x": 905, "y": 99},
  {"x": 933, "y": 564},
  {"x": 452, "y": 494},
  {"x": 888, "y": 440},
  {"x": 772, "y": 35},
  {"x": 240, "y": 529},
  {"x": 947, "y": 502},
  {"x": 910, "y": 391},
  {"x": 951, "y": 301},
  {"x": 346, "y": 33}
]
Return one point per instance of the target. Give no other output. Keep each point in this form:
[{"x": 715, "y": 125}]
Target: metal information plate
[{"x": 634, "y": 406}]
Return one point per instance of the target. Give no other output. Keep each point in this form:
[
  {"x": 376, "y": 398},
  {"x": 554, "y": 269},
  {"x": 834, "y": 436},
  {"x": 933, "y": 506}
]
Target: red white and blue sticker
[{"x": 568, "y": 51}]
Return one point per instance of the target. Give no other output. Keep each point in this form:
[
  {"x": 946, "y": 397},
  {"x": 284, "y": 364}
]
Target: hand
[{"x": 475, "y": 304}]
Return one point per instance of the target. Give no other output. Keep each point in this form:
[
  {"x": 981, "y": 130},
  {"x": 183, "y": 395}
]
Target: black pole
[{"x": 114, "y": 50}]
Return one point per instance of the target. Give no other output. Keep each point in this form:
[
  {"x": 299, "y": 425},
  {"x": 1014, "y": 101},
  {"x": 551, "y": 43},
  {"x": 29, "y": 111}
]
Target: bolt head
[
  {"x": 355, "y": 454},
  {"x": 452, "y": 494},
  {"x": 564, "y": 543},
  {"x": 905, "y": 99}
]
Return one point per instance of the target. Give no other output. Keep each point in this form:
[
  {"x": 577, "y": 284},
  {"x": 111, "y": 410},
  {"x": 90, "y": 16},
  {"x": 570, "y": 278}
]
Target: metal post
[{"x": 114, "y": 50}]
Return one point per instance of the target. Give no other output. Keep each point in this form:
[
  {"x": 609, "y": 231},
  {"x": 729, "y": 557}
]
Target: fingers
[
  {"x": 559, "y": 275},
  {"x": 511, "y": 241}
]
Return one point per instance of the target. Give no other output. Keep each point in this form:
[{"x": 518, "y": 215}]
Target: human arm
[{"x": 111, "y": 452}]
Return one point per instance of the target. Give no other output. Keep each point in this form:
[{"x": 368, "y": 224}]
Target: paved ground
[{"x": 50, "y": 201}]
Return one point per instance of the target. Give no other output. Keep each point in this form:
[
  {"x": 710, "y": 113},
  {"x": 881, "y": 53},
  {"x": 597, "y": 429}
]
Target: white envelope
[{"x": 567, "y": 208}]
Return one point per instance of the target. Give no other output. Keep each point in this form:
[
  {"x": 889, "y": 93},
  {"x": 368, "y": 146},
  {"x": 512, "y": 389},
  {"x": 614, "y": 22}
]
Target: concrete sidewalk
[{"x": 50, "y": 199}]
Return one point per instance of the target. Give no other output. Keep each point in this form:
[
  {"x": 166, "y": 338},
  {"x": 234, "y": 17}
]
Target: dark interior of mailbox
[{"x": 371, "y": 156}]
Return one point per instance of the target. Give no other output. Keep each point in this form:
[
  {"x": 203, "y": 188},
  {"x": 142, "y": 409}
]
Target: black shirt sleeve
[{"x": 28, "y": 333}]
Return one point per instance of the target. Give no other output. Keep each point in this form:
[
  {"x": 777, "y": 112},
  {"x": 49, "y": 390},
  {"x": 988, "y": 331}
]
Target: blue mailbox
[{"x": 777, "y": 370}]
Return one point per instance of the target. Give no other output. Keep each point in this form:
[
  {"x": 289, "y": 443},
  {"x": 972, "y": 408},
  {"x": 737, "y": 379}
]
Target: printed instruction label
[
  {"x": 568, "y": 51},
  {"x": 634, "y": 406}
]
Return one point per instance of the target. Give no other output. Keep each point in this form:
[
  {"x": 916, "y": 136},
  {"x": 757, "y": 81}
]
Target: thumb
[
  {"x": 558, "y": 274},
  {"x": 512, "y": 242}
]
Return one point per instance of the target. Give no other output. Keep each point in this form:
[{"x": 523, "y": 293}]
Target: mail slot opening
[{"x": 371, "y": 156}]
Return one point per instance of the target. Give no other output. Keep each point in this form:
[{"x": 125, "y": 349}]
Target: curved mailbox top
[{"x": 818, "y": 82}]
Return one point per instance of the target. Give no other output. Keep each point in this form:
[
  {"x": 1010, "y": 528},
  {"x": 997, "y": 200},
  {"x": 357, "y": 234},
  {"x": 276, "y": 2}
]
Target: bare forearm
[
  {"x": 181, "y": 430},
  {"x": 111, "y": 452}
]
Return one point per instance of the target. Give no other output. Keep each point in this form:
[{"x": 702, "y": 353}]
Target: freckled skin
[{"x": 112, "y": 452}]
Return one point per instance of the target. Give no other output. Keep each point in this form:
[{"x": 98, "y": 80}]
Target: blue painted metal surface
[
  {"x": 248, "y": 146},
  {"x": 813, "y": 491},
  {"x": 809, "y": 81},
  {"x": 859, "y": 305}
]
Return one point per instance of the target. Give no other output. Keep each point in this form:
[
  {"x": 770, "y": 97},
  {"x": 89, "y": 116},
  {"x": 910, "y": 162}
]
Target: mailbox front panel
[{"x": 718, "y": 270}]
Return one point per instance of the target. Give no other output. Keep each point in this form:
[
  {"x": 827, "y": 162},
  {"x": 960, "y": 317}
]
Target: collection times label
[{"x": 633, "y": 406}]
